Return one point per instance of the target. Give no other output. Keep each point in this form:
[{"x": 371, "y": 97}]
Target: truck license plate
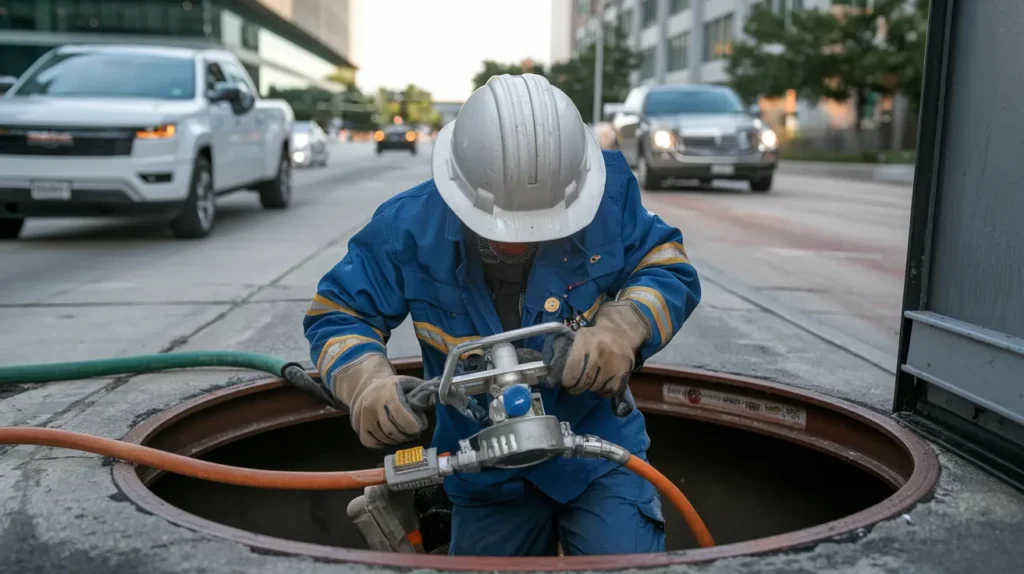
[
  {"x": 722, "y": 170},
  {"x": 51, "y": 190}
]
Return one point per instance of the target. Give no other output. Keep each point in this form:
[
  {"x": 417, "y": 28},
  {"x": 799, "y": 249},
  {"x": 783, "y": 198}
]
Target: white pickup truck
[{"x": 138, "y": 130}]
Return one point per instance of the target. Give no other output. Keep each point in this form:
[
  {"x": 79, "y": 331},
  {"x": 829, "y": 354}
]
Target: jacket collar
[{"x": 570, "y": 247}]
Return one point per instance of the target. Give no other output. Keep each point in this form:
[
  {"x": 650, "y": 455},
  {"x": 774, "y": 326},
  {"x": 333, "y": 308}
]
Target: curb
[
  {"x": 895, "y": 174},
  {"x": 800, "y": 320}
]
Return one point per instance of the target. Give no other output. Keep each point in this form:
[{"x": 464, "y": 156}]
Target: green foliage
[
  {"x": 492, "y": 68},
  {"x": 576, "y": 76},
  {"x": 413, "y": 104},
  {"x": 835, "y": 55}
]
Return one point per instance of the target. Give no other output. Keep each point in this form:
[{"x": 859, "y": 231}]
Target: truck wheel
[
  {"x": 761, "y": 184},
  {"x": 10, "y": 227},
  {"x": 200, "y": 209},
  {"x": 648, "y": 179},
  {"x": 277, "y": 193}
]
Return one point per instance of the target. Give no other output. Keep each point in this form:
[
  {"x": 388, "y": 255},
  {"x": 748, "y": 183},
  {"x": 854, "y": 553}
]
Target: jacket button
[
  {"x": 594, "y": 259},
  {"x": 552, "y": 304}
]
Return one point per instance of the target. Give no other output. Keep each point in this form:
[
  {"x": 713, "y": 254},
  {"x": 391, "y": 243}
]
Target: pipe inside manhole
[{"x": 768, "y": 467}]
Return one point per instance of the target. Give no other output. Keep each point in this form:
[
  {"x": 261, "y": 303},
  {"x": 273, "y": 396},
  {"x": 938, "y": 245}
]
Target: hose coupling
[
  {"x": 590, "y": 446},
  {"x": 416, "y": 467}
]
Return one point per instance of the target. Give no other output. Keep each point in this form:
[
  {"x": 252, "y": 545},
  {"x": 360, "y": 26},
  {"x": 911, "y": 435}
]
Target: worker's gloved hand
[
  {"x": 602, "y": 356},
  {"x": 385, "y": 408}
]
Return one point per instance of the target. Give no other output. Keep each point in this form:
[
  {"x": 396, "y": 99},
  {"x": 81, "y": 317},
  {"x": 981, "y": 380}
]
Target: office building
[
  {"x": 679, "y": 40},
  {"x": 286, "y": 44}
]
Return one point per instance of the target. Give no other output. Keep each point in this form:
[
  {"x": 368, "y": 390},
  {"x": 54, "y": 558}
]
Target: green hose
[
  {"x": 45, "y": 373},
  {"x": 290, "y": 371}
]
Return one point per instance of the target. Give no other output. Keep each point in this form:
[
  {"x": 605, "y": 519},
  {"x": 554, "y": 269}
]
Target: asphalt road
[{"x": 828, "y": 252}]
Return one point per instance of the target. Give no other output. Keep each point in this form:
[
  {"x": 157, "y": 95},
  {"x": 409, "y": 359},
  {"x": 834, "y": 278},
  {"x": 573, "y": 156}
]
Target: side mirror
[
  {"x": 241, "y": 100},
  {"x": 754, "y": 110}
]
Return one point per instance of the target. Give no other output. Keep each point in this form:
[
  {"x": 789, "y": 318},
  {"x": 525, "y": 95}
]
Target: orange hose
[
  {"x": 195, "y": 468},
  {"x": 676, "y": 497}
]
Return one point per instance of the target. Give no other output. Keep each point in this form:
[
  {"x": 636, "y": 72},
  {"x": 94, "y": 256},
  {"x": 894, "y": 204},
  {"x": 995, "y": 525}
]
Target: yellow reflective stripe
[
  {"x": 664, "y": 254},
  {"x": 589, "y": 313},
  {"x": 336, "y": 346},
  {"x": 653, "y": 300},
  {"x": 322, "y": 305},
  {"x": 437, "y": 338}
]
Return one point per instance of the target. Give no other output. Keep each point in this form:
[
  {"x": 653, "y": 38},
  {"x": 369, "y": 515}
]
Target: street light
[{"x": 599, "y": 62}]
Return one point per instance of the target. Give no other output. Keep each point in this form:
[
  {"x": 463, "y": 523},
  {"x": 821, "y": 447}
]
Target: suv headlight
[
  {"x": 663, "y": 139},
  {"x": 161, "y": 132},
  {"x": 769, "y": 139}
]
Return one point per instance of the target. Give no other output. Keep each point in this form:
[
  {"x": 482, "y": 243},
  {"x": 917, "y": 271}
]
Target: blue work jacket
[{"x": 411, "y": 258}]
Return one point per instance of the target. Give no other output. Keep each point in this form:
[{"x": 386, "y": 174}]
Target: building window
[
  {"x": 648, "y": 13},
  {"x": 647, "y": 58},
  {"x": 626, "y": 22},
  {"x": 678, "y": 52},
  {"x": 583, "y": 7},
  {"x": 718, "y": 38},
  {"x": 678, "y": 6}
]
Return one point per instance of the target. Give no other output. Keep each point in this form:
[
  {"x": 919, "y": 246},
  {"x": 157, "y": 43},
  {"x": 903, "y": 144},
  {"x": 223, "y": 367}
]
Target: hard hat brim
[{"x": 520, "y": 226}]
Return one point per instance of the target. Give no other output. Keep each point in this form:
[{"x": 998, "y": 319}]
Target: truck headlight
[
  {"x": 663, "y": 139},
  {"x": 769, "y": 140},
  {"x": 163, "y": 132}
]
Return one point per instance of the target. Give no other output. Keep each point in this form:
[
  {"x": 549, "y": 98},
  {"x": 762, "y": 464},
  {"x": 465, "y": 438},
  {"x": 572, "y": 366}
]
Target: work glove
[
  {"x": 601, "y": 356},
  {"x": 384, "y": 408}
]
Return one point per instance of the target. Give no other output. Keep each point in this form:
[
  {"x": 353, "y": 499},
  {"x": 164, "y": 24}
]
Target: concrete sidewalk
[{"x": 898, "y": 174}]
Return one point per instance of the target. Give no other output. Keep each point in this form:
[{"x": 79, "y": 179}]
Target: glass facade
[
  {"x": 678, "y": 52},
  {"x": 718, "y": 38},
  {"x": 282, "y": 63}
]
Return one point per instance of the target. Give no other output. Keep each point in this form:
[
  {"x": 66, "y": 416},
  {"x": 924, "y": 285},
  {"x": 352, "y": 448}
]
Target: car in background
[
  {"x": 5, "y": 83},
  {"x": 396, "y": 136},
  {"x": 309, "y": 145},
  {"x": 694, "y": 131},
  {"x": 101, "y": 130}
]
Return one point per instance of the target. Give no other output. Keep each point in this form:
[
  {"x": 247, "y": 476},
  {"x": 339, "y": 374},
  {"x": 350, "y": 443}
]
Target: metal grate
[{"x": 65, "y": 142}]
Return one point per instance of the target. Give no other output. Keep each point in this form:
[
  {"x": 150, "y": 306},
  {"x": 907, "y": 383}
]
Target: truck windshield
[
  {"x": 112, "y": 75},
  {"x": 674, "y": 102}
]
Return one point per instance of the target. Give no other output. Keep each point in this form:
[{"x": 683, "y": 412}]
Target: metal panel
[
  {"x": 961, "y": 355},
  {"x": 978, "y": 258}
]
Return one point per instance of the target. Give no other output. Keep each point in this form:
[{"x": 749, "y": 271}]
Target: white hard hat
[{"x": 518, "y": 164}]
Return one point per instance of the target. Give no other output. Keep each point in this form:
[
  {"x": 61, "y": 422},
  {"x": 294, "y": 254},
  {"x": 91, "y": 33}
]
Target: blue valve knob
[{"x": 517, "y": 401}]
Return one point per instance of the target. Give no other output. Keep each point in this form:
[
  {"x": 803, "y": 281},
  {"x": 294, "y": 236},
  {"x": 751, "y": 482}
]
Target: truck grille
[{"x": 65, "y": 142}]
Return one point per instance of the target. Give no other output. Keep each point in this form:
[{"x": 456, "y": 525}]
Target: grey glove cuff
[{"x": 419, "y": 394}]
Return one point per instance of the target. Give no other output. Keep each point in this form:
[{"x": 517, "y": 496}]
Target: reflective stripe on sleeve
[
  {"x": 655, "y": 303},
  {"x": 664, "y": 254},
  {"x": 322, "y": 305},
  {"x": 338, "y": 345},
  {"x": 438, "y": 339}
]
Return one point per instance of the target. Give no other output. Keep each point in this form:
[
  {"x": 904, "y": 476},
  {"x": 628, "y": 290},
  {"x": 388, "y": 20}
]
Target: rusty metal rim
[{"x": 921, "y": 481}]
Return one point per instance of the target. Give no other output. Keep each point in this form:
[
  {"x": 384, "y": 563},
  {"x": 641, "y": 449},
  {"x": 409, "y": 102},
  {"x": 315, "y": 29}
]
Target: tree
[
  {"x": 492, "y": 68},
  {"x": 576, "y": 77},
  {"x": 850, "y": 54},
  {"x": 413, "y": 104}
]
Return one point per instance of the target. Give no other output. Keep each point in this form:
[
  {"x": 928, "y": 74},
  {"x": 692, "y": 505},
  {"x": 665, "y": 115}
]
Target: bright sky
[{"x": 440, "y": 44}]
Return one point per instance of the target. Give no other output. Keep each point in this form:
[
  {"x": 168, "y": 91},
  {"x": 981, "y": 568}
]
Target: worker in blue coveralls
[{"x": 525, "y": 221}]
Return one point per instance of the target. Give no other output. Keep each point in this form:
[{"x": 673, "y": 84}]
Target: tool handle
[{"x": 622, "y": 403}]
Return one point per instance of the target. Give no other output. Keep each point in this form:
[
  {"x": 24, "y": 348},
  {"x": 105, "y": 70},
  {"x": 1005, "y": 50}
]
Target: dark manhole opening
[{"x": 745, "y": 485}]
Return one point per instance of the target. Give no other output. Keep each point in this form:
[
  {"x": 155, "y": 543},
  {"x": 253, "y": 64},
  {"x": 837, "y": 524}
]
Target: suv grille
[
  {"x": 726, "y": 143},
  {"x": 65, "y": 141}
]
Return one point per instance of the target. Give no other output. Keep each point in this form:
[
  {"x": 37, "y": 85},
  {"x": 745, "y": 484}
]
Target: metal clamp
[{"x": 454, "y": 391}]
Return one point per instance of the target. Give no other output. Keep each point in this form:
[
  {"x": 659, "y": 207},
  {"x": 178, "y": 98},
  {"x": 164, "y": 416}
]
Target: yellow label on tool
[{"x": 408, "y": 456}]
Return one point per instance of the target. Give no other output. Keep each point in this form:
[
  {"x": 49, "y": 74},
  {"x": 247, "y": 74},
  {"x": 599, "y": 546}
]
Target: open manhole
[{"x": 768, "y": 467}]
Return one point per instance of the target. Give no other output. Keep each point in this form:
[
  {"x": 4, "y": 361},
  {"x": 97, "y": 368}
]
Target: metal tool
[{"x": 520, "y": 433}]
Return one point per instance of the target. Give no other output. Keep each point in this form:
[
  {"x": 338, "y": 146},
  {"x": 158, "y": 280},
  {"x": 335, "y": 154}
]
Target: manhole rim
[{"x": 921, "y": 481}]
